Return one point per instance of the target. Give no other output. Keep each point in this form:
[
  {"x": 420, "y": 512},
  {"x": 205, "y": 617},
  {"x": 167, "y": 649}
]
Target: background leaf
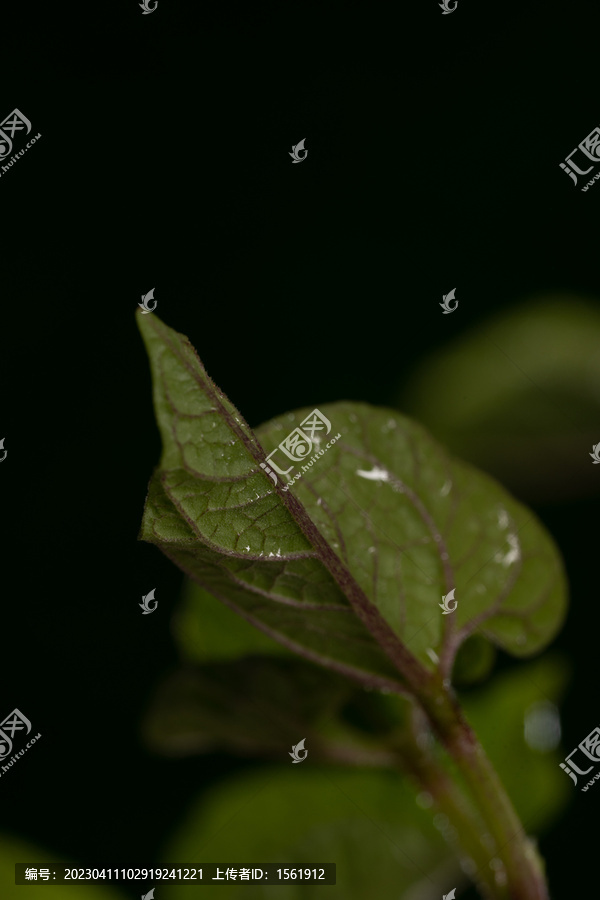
[
  {"x": 474, "y": 661},
  {"x": 518, "y": 395},
  {"x": 207, "y": 630},
  {"x": 258, "y": 706},
  {"x": 516, "y": 719},
  {"x": 365, "y": 822}
]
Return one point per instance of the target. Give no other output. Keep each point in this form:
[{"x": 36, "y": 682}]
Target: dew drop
[{"x": 375, "y": 474}]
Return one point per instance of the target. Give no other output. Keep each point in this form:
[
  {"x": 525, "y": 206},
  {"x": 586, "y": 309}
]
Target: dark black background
[{"x": 434, "y": 145}]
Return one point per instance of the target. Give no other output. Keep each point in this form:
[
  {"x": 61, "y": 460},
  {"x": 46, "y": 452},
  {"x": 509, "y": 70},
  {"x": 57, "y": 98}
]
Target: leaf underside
[{"x": 407, "y": 522}]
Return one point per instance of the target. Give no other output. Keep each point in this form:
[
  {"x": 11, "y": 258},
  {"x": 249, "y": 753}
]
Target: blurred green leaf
[
  {"x": 405, "y": 523},
  {"x": 13, "y": 850},
  {"x": 258, "y": 706},
  {"x": 356, "y": 819},
  {"x": 262, "y": 707},
  {"x": 519, "y": 396},
  {"x": 525, "y": 700},
  {"x": 366, "y": 822},
  {"x": 208, "y": 631},
  {"x": 474, "y": 661}
]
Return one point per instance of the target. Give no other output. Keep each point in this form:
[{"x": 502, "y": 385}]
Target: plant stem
[
  {"x": 464, "y": 829},
  {"x": 522, "y": 865}
]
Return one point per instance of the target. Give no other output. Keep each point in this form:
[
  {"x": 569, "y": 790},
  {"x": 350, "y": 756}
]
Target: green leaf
[
  {"x": 383, "y": 513},
  {"x": 14, "y": 850},
  {"x": 208, "y": 631},
  {"x": 365, "y": 822},
  {"x": 516, "y": 719},
  {"x": 474, "y": 661},
  {"x": 217, "y": 501},
  {"x": 258, "y": 706},
  {"x": 301, "y": 817},
  {"x": 518, "y": 395}
]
